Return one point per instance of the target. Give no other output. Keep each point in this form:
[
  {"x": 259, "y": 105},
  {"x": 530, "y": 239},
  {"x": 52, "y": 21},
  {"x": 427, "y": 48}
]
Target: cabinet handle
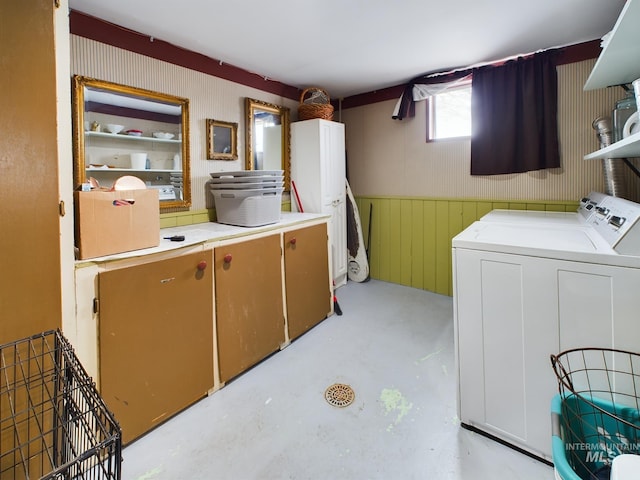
[
  {"x": 293, "y": 241},
  {"x": 202, "y": 265},
  {"x": 228, "y": 258}
]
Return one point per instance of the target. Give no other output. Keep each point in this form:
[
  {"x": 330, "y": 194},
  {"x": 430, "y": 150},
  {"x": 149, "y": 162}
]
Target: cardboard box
[{"x": 116, "y": 222}]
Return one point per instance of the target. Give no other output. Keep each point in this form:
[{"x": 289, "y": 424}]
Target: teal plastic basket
[
  {"x": 585, "y": 440},
  {"x": 595, "y": 416}
]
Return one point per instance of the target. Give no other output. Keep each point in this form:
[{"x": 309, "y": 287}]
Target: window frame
[{"x": 430, "y": 114}]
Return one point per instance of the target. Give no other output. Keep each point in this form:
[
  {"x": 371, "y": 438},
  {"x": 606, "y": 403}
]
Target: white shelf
[
  {"x": 151, "y": 170},
  {"x": 619, "y": 61},
  {"x": 626, "y": 148},
  {"x": 117, "y": 136}
]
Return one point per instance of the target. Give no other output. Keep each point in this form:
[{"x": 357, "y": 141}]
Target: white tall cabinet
[{"x": 318, "y": 169}]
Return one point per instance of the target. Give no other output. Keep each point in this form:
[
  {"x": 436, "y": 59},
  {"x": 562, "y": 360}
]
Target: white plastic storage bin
[{"x": 248, "y": 208}]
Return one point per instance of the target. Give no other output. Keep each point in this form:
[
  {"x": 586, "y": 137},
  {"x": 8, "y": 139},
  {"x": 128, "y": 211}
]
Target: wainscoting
[{"x": 411, "y": 237}]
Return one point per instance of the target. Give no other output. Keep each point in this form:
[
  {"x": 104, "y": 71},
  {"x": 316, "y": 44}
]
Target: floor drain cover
[{"x": 339, "y": 395}]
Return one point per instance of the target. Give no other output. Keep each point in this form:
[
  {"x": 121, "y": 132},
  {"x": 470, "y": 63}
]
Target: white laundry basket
[{"x": 248, "y": 208}]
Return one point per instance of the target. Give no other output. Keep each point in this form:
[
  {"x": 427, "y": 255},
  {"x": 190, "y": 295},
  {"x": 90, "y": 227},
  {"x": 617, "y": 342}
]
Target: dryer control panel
[
  {"x": 588, "y": 205},
  {"x": 615, "y": 219}
]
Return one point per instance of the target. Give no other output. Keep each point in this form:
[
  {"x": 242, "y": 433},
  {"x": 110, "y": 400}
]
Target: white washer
[{"x": 527, "y": 285}]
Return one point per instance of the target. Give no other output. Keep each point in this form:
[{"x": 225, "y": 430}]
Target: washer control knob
[{"x": 617, "y": 221}]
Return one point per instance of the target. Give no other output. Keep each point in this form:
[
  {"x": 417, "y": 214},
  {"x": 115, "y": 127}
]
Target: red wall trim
[
  {"x": 373, "y": 97},
  {"x": 111, "y": 34},
  {"x": 96, "y": 29},
  {"x": 570, "y": 54},
  {"x": 579, "y": 52}
]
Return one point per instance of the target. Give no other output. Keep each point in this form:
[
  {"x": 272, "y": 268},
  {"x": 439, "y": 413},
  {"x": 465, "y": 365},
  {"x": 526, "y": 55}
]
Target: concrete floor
[{"x": 394, "y": 346}]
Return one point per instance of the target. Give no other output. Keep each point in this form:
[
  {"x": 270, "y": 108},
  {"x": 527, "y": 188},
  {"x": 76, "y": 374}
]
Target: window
[{"x": 449, "y": 113}]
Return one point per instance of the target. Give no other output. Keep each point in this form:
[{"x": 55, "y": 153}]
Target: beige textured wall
[
  {"x": 390, "y": 157},
  {"x": 209, "y": 97},
  {"x": 385, "y": 157}
]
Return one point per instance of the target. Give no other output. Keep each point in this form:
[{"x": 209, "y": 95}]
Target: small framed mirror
[
  {"x": 222, "y": 140},
  {"x": 267, "y": 136},
  {"x": 121, "y": 130}
]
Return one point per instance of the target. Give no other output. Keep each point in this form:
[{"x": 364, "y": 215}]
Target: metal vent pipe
[{"x": 612, "y": 168}]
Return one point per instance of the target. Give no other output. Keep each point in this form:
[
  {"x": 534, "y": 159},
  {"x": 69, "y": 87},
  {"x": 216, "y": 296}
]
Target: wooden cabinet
[
  {"x": 306, "y": 270},
  {"x": 156, "y": 339},
  {"x": 318, "y": 168},
  {"x": 251, "y": 304},
  {"x": 249, "y": 308},
  {"x": 166, "y": 333},
  {"x": 35, "y": 236}
]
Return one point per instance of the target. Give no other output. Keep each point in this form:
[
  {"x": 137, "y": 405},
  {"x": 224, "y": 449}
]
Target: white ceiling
[{"x": 356, "y": 46}]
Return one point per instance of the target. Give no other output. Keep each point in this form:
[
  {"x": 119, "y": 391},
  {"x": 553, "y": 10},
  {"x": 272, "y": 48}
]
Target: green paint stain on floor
[
  {"x": 150, "y": 474},
  {"x": 427, "y": 357},
  {"x": 393, "y": 402}
]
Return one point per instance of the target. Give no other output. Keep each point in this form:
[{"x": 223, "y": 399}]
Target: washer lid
[
  {"x": 533, "y": 217},
  {"x": 577, "y": 239},
  {"x": 578, "y": 243}
]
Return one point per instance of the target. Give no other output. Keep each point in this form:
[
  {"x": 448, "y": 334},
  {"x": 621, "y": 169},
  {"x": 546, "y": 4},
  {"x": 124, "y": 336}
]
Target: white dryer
[
  {"x": 527, "y": 285},
  {"x": 587, "y": 206}
]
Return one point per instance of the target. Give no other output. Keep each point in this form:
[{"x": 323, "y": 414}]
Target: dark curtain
[{"x": 514, "y": 116}]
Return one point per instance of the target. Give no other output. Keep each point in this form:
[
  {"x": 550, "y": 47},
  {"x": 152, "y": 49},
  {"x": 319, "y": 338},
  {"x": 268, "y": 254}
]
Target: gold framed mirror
[
  {"x": 267, "y": 137},
  {"x": 222, "y": 140},
  {"x": 121, "y": 130}
]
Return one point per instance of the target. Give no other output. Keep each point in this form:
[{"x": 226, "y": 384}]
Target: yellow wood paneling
[
  {"x": 443, "y": 246},
  {"x": 406, "y": 237},
  {"x": 411, "y": 237},
  {"x": 383, "y": 225},
  {"x": 429, "y": 245},
  {"x": 417, "y": 240},
  {"x": 394, "y": 249},
  {"x": 482, "y": 208}
]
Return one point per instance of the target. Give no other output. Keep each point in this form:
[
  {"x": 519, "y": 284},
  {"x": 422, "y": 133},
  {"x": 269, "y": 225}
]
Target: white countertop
[{"x": 207, "y": 232}]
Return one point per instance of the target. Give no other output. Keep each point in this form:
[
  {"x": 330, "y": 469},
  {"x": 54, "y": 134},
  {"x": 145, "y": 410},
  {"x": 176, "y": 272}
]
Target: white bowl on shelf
[
  {"x": 163, "y": 135},
  {"x": 113, "y": 128}
]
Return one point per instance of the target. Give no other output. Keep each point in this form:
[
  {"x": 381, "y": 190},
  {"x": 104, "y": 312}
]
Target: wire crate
[
  {"x": 596, "y": 414},
  {"x": 53, "y": 423}
]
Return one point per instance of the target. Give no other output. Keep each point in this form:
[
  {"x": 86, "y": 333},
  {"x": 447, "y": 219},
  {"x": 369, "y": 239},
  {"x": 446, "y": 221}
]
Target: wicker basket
[{"x": 317, "y": 106}]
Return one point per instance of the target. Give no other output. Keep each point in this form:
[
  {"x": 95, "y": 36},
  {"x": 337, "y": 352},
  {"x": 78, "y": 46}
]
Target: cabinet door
[
  {"x": 156, "y": 339},
  {"x": 249, "y": 310},
  {"x": 306, "y": 270},
  {"x": 30, "y": 285},
  {"x": 336, "y": 159}
]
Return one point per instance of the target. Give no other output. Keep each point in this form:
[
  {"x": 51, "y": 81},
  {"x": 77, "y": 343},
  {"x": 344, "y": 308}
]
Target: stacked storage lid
[
  {"x": 177, "y": 184},
  {"x": 247, "y": 198}
]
